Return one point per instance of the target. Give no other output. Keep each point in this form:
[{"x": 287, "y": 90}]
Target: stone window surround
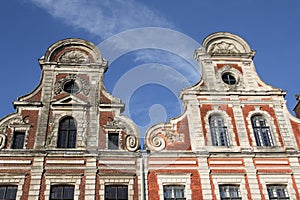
[
  {"x": 174, "y": 179},
  {"x": 81, "y": 125},
  {"x": 229, "y": 69},
  {"x": 227, "y": 123},
  {"x": 276, "y": 179},
  {"x": 269, "y": 120},
  {"x": 66, "y": 179},
  {"x": 114, "y": 130},
  {"x": 117, "y": 180},
  {"x": 17, "y": 180},
  {"x": 24, "y": 128},
  {"x": 231, "y": 179}
]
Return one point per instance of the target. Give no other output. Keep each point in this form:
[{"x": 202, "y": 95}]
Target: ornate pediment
[
  {"x": 74, "y": 57},
  {"x": 223, "y": 48}
]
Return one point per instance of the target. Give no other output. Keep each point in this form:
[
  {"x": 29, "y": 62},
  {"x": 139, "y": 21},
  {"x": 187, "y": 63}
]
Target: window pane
[
  {"x": 67, "y": 132},
  {"x": 277, "y": 192},
  {"x": 172, "y": 192},
  {"x": 218, "y": 130},
  {"x": 71, "y": 87},
  {"x": 62, "y": 192},
  {"x": 113, "y": 140},
  {"x": 8, "y": 192},
  {"x": 18, "y": 140},
  {"x": 261, "y": 131},
  {"x": 230, "y": 192},
  {"x": 116, "y": 192}
]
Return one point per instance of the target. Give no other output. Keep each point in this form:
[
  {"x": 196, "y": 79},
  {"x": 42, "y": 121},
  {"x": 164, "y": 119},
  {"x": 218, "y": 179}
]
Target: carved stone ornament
[
  {"x": 223, "y": 48},
  {"x": 74, "y": 57},
  {"x": 158, "y": 139},
  {"x": 84, "y": 86},
  {"x": 131, "y": 143}
]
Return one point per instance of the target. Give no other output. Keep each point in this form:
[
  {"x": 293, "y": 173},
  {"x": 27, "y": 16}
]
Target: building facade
[{"x": 68, "y": 139}]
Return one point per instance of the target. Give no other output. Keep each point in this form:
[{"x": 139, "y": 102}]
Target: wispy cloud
[{"x": 103, "y": 18}]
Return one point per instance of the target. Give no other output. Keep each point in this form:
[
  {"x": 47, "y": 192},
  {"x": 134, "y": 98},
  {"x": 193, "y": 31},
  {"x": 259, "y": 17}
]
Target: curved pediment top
[
  {"x": 226, "y": 44},
  {"x": 73, "y": 51}
]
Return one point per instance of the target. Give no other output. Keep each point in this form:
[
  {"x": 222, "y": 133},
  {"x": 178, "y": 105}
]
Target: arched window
[
  {"x": 66, "y": 137},
  {"x": 219, "y": 133},
  {"x": 261, "y": 131}
]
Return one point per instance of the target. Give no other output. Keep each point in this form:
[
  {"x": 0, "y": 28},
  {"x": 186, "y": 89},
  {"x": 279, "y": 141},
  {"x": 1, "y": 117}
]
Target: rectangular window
[
  {"x": 18, "y": 140},
  {"x": 116, "y": 192},
  {"x": 228, "y": 192},
  {"x": 277, "y": 192},
  {"x": 113, "y": 141},
  {"x": 8, "y": 192},
  {"x": 62, "y": 192},
  {"x": 174, "y": 192}
]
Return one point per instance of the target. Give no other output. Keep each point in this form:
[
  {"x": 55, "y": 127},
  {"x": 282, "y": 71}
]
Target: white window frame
[
  {"x": 65, "y": 179},
  {"x": 271, "y": 123},
  {"x": 183, "y": 179},
  {"x": 227, "y": 122},
  {"x": 17, "y": 180},
  {"x": 277, "y": 179},
  {"x": 117, "y": 180},
  {"x": 230, "y": 179}
]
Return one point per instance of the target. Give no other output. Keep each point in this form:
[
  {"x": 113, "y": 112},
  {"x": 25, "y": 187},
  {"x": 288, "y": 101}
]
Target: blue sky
[{"x": 28, "y": 28}]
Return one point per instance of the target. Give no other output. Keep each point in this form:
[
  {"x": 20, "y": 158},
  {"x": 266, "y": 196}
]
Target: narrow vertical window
[
  {"x": 116, "y": 192},
  {"x": 67, "y": 131},
  {"x": 18, "y": 140},
  {"x": 174, "y": 192},
  {"x": 219, "y": 134},
  {"x": 62, "y": 192},
  {"x": 277, "y": 192},
  {"x": 230, "y": 192},
  {"x": 261, "y": 131},
  {"x": 8, "y": 192},
  {"x": 113, "y": 141}
]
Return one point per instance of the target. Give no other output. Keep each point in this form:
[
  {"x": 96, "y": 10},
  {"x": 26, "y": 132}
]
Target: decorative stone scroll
[
  {"x": 74, "y": 57},
  {"x": 223, "y": 48},
  {"x": 84, "y": 86},
  {"x": 160, "y": 137}
]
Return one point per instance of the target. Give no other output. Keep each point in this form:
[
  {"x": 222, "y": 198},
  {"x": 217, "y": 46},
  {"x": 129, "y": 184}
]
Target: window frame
[
  {"x": 111, "y": 143},
  {"x": 70, "y": 132},
  {"x": 262, "y": 132},
  {"x": 173, "y": 192},
  {"x": 229, "y": 78},
  {"x": 15, "y": 144},
  {"x": 116, "y": 187},
  {"x": 63, "y": 187},
  {"x": 230, "y": 186},
  {"x": 71, "y": 86},
  {"x": 277, "y": 186},
  {"x": 219, "y": 131},
  {"x": 15, "y": 187}
]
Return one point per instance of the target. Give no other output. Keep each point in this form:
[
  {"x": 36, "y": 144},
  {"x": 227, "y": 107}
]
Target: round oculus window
[
  {"x": 228, "y": 78},
  {"x": 71, "y": 87}
]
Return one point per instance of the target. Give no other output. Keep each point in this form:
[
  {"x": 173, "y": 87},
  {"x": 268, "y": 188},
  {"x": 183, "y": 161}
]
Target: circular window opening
[
  {"x": 228, "y": 78},
  {"x": 71, "y": 87}
]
